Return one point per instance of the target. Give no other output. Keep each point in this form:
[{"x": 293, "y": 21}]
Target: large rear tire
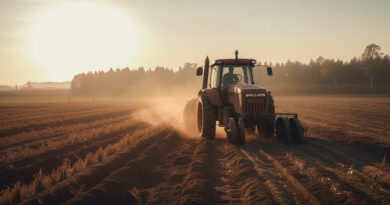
[
  {"x": 266, "y": 127},
  {"x": 206, "y": 117}
]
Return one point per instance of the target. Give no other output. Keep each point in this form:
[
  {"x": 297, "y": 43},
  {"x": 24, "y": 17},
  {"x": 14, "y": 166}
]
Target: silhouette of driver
[{"x": 230, "y": 77}]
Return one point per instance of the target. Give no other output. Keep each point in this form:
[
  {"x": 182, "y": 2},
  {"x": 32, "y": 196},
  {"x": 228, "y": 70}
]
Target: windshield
[{"x": 236, "y": 74}]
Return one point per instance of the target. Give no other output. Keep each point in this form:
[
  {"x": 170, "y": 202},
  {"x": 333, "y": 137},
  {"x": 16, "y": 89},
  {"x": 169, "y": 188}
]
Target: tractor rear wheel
[
  {"x": 266, "y": 127},
  {"x": 206, "y": 117}
]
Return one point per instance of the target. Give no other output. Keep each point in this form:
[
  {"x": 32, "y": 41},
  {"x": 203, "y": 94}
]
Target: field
[{"x": 137, "y": 153}]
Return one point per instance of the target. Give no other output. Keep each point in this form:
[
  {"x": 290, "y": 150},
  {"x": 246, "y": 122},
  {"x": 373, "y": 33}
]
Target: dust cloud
[{"x": 169, "y": 111}]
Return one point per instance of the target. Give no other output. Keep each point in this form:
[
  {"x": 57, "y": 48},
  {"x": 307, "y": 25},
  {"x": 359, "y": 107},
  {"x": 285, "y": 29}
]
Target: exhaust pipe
[{"x": 206, "y": 73}]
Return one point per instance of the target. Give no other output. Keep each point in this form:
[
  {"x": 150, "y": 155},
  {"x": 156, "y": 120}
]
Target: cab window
[
  {"x": 236, "y": 74},
  {"x": 213, "y": 77}
]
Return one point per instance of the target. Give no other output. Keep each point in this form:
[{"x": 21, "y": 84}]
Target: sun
[{"x": 74, "y": 37}]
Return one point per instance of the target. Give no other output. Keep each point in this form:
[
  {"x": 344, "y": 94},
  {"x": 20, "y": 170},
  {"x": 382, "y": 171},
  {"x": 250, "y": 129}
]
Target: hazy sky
[{"x": 52, "y": 40}]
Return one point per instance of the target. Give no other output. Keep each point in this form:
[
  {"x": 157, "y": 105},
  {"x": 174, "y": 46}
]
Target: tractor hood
[{"x": 244, "y": 97}]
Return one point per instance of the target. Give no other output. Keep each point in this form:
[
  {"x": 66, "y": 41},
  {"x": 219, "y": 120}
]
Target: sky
[{"x": 52, "y": 40}]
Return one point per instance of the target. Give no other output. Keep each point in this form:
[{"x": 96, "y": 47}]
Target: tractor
[{"x": 230, "y": 99}]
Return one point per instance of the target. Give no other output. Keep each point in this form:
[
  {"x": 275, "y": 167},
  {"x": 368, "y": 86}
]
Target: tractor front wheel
[{"x": 236, "y": 132}]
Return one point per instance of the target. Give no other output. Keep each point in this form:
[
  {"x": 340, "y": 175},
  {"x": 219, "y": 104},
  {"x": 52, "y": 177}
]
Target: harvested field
[{"x": 132, "y": 153}]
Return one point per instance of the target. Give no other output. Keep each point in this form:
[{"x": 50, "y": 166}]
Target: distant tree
[
  {"x": 318, "y": 72},
  {"x": 370, "y": 58},
  {"x": 372, "y": 51},
  {"x": 320, "y": 60},
  {"x": 329, "y": 70}
]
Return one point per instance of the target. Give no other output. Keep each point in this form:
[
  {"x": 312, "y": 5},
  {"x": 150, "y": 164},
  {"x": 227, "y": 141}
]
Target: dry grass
[
  {"x": 73, "y": 138},
  {"x": 55, "y": 127},
  {"x": 19, "y": 192},
  {"x": 76, "y": 153}
]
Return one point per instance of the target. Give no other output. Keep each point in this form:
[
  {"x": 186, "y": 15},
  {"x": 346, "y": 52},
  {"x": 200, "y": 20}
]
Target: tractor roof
[{"x": 233, "y": 61}]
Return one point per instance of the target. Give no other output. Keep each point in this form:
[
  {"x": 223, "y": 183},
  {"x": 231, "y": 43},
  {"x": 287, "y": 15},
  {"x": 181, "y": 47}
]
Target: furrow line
[{"x": 279, "y": 193}]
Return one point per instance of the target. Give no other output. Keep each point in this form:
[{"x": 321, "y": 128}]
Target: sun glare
[{"x": 76, "y": 37}]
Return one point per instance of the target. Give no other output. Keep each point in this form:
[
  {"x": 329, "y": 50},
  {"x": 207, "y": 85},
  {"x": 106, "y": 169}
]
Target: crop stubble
[{"x": 96, "y": 153}]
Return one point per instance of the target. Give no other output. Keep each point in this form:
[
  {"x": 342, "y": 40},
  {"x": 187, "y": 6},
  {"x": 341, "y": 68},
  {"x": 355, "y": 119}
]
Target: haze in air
[{"x": 194, "y": 102}]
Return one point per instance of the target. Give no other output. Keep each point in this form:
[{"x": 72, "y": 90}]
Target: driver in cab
[{"x": 230, "y": 77}]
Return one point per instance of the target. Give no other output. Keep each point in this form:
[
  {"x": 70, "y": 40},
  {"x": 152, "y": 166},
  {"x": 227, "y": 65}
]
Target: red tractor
[{"x": 230, "y": 98}]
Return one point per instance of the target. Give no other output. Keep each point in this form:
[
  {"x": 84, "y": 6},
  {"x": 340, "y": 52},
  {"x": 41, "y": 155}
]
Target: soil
[{"x": 343, "y": 158}]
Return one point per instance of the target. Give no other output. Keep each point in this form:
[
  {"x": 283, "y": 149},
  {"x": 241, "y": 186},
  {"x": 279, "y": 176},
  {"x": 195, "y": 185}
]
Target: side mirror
[
  {"x": 269, "y": 71},
  {"x": 199, "y": 71}
]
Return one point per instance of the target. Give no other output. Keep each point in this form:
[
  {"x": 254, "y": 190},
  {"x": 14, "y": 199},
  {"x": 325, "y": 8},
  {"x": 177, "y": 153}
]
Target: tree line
[{"x": 371, "y": 71}]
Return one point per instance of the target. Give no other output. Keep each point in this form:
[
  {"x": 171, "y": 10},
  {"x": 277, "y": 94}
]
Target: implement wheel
[
  {"x": 283, "y": 131},
  {"x": 296, "y": 130}
]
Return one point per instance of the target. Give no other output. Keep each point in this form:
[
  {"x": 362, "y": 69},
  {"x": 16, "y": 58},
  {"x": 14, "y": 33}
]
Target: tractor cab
[
  {"x": 225, "y": 72},
  {"x": 229, "y": 72}
]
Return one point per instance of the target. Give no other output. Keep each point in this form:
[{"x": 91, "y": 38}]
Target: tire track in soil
[
  {"x": 323, "y": 183},
  {"x": 242, "y": 183},
  {"x": 359, "y": 154},
  {"x": 93, "y": 176},
  {"x": 24, "y": 170},
  {"x": 121, "y": 186},
  {"x": 321, "y": 165},
  {"x": 343, "y": 166},
  {"x": 191, "y": 174},
  {"x": 284, "y": 188}
]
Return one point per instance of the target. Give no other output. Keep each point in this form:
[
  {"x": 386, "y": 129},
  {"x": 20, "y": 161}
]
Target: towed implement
[{"x": 230, "y": 99}]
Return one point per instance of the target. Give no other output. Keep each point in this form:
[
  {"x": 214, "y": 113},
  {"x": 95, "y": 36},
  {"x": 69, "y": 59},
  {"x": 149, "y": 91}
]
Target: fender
[{"x": 213, "y": 96}]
